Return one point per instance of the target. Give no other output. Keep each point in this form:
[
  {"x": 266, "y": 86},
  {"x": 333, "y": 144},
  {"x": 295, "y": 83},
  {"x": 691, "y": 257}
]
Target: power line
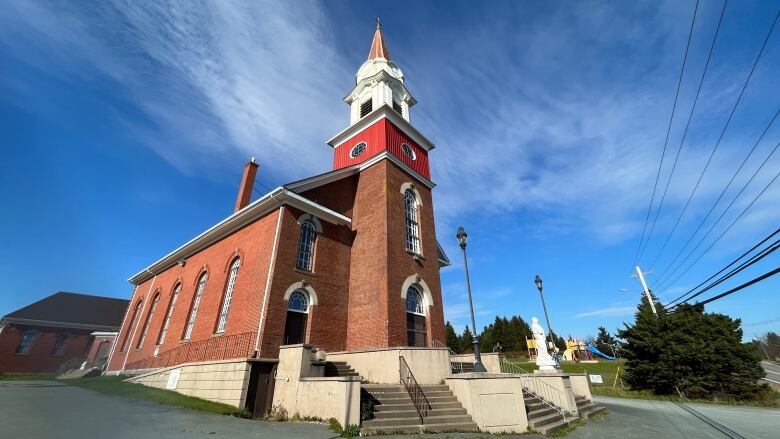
[
  {"x": 668, "y": 130},
  {"x": 726, "y": 267},
  {"x": 722, "y": 193},
  {"x": 765, "y": 322},
  {"x": 720, "y": 138},
  {"x": 727, "y": 228},
  {"x": 685, "y": 133},
  {"x": 745, "y": 285},
  {"x": 764, "y": 253}
]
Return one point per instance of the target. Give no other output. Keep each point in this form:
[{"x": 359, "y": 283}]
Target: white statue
[{"x": 543, "y": 358}]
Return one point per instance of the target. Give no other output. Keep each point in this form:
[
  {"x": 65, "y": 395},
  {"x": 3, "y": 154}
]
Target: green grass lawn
[
  {"x": 27, "y": 376},
  {"x": 114, "y": 385}
]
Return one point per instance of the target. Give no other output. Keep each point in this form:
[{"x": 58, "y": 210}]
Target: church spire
[{"x": 378, "y": 47}]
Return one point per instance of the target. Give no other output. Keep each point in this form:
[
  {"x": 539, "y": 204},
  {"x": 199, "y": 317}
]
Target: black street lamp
[
  {"x": 462, "y": 237},
  {"x": 538, "y": 282}
]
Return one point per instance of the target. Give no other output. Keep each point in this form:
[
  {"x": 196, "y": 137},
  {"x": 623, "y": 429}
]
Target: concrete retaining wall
[
  {"x": 429, "y": 365},
  {"x": 494, "y": 401},
  {"x": 222, "y": 381},
  {"x": 491, "y": 361}
]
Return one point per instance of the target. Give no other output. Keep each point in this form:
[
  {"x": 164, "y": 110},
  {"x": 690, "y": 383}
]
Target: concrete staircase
[
  {"x": 339, "y": 369},
  {"x": 586, "y": 407},
  {"x": 79, "y": 373},
  {"x": 394, "y": 411},
  {"x": 542, "y": 417},
  {"x": 461, "y": 367}
]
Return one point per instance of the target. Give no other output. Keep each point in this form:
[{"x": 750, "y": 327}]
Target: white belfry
[
  {"x": 378, "y": 82},
  {"x": 543, "y": 358}
]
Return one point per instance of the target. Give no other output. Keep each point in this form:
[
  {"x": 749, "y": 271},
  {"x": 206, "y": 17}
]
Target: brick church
[{"x": 345, "y": 261}]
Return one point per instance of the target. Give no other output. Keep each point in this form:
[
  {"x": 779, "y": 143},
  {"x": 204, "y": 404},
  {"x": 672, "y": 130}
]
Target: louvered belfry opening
[
  {"x": 366, "y": 107},
  {"x": 397, "y": 108}
]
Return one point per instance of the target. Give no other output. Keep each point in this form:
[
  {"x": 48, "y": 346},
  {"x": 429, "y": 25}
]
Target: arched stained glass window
[
  {"x": 26, "y": 343},
  {"x": 412, "y": 222},
  {"x": 414, "y": 301},
  {"x": 298, "y": 302},
  {"x": 223, "y": 315},
  {"x": 195, "y": 305},
  {"x": 148, "y": 320},
  {"x": 132, "y": 325},
  {"x": 164, "y": 330},
  {"x": 306, "y": 245}
]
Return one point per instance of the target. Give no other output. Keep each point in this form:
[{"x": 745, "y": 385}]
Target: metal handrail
[
  {"x": 216, "y": 348},
  {"x": 416, "y": 393},
  {"x": 438, "y": 344},
  {"x": 542, "y": 390}
]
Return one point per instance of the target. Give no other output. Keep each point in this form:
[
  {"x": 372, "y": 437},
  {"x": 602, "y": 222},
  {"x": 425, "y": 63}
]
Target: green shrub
[
  {"x": 335, "y": 425},
  {"x": 351, "y": 431}
]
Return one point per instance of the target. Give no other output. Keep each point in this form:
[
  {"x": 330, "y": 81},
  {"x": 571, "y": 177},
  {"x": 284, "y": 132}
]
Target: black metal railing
[
  {"x": 217, "y": 348},
  {"x": 419, "y": 399}
]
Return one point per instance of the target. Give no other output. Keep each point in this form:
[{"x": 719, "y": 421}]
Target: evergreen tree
[
  {"x": 466, "y": 341},
  {"x": 451, "y": 338},
  {"x": 689, "y": 353},
  {"x": 605, "y": 342}
]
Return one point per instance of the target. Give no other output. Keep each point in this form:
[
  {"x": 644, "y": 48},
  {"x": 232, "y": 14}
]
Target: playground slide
[{"x": 599, "y": 353}]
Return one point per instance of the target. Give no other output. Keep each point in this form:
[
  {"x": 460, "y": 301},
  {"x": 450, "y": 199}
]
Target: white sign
[
  {"x": 596, "y": 379},
  {"x": 173, "y": 379}
]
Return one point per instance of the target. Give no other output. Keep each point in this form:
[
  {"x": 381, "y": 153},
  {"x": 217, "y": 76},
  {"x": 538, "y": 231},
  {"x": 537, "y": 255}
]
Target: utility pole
[
  {"x": 641, "y": 277},
  {"x": 762, "y": 345}
]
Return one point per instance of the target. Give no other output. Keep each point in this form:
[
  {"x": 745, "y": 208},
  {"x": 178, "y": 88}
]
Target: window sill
[
  {"x": 22, "y": 354},
  {"x": 416, "y": 255},
  {"x": 218, "y": 334},
  {"x": 306, "y": 272}
]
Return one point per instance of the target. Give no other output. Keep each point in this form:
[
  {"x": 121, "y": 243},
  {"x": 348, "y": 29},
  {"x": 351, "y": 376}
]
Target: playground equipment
[
  {"x": 578, "y": 349},
  {"x": 599, "y": 353}
]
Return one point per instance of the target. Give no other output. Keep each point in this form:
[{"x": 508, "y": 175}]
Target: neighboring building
[
  {"x": 62, "y": 328},
  {"x": 347, "y": 260}
]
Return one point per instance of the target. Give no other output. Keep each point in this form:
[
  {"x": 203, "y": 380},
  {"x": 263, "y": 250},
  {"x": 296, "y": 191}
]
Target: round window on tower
[
  {"x": 408, "y": 151},
  {"x": 358, "y": 150}
]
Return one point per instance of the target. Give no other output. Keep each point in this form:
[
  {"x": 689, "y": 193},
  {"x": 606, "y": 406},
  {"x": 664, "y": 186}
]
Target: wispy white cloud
[{"x": 612, "y": 311}]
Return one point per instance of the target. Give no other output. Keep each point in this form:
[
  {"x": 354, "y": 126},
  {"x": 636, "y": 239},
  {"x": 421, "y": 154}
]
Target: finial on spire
[{"x": 378, "y": 47}]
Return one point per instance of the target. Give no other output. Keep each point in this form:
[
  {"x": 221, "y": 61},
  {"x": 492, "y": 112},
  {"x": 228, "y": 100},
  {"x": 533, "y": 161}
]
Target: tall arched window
[
  {"x": 26, "y": 343},
  {"x": 148, "y": 320},
  {"x": 297, "y": 310},
  {"x": 415, "y": 318},
  {"x": 195, "y": 305},
  {"x": 168, "y": 313},
  {"x": 306, "y": 245},
  {"x": 60, "y": 344},
  {"x": 412, "y": 222},
  {"x": 223, "y": 315},
  {"x": 132, "y": 325}
]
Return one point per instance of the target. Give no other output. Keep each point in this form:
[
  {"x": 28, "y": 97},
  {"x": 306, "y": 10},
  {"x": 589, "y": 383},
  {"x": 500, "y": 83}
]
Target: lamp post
[
  {"x": 462, "y": 237},
  {"x": 538, "y": 282}
]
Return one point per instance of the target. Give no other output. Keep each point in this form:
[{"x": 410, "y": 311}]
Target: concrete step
[
  {"x": 551, "y": 427},
  {"x": 409, "y": 406},
  {"x": 411, "y": 420},
  {"x": 588, "y": 411},
  {"x": 406, "y": 399},
  {"x": 405, "y": 394},
  {"x": 416, "y": 428},
  {"x": 542, "y": 412},
  {"x": 389, "y": 414},
  {"x": 541, "y": 421}
]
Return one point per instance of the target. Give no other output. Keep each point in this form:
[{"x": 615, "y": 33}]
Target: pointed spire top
[{"x": 378, "y": 47}]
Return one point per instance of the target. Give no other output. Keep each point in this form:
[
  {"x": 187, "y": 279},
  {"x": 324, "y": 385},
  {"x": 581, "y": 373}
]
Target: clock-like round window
[
  {"x": 358, "y": 150},
  {"x": 408, "y": 151}
]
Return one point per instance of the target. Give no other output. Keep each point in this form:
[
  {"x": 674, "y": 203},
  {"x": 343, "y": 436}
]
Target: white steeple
[{"x": 379, "y": 81}]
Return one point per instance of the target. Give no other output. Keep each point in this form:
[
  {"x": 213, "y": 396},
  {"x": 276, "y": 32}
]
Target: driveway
[{"x": 49, "y": 409}]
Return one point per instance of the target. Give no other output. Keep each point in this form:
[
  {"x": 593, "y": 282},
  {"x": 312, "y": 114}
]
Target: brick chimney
[{"x": 247, "y": 183}]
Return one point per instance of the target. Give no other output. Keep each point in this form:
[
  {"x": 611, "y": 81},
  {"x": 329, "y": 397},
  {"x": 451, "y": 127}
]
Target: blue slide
[{"x": 599, "y": 353}]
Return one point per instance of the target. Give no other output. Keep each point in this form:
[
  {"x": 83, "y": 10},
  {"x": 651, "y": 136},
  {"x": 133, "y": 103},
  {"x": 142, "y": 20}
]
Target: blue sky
[{"x": 125, "y": 127}]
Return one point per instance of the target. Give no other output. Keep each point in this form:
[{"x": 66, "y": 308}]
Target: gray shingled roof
[{"x": 73, "y": 309}]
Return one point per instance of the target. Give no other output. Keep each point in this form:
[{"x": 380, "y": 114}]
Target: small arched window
[
  {"x": 412, "y": 222},
  {"x": 168, "y": 313},
  {"x": 60, "y": 344},
  {"x": 223, "y": 315},
  {"x": 26, "y": 343},
  {"x": 148, "y": 320},
  {"x": 306, "y": 245},
  {"x": 132, "y": 325},
  {"x": 414, "y": 301},
  {"x": 195, "y": 305},
  {"x": 298, "y": 302}
]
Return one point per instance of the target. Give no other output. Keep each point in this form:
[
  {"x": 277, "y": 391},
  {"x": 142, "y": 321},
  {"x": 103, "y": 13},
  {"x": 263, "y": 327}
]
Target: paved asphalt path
[
  {"x": 49, "y": 409},
  {"x": 772, "y": 374}
]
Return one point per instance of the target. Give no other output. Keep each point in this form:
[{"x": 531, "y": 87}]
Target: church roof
[{"x": 72, "y": 310}]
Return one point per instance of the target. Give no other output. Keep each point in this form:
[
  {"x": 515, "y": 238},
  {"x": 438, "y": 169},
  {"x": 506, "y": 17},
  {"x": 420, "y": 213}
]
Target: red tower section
[{"x": 382, "y": 136}]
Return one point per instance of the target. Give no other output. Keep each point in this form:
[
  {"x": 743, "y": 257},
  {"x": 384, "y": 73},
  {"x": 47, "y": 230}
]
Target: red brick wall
[
  {"x": 253, "y": 244},
  {"x": 327, "y": 321},
  {"x": 39, "y": 359}
]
